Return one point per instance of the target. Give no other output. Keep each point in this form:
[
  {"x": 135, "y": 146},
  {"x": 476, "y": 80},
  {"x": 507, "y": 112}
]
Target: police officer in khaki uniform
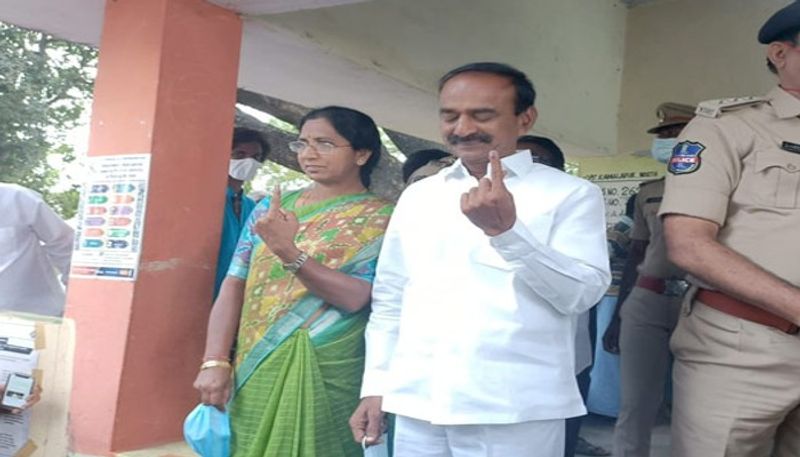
[
  {"x": 650, "y": 312},
  {"x": 731, "y": 213}
]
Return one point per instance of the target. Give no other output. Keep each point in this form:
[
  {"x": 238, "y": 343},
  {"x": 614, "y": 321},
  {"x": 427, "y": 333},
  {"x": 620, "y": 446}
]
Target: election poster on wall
[{"x": 111, "y": 213}]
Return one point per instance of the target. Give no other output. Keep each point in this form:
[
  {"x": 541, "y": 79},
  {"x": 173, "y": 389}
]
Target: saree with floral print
[{"x": 299, "y": 361}]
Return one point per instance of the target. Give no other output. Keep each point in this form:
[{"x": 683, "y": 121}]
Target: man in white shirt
[
  {"x": 35, "y": 246},
  {"x": 546, "y": 152},
  {"x": 483, "y": 272}
]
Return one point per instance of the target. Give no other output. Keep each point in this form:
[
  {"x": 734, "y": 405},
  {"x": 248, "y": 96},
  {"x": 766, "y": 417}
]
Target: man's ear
[
  {"x": 526, "y": 119},
  {"x": 776, "y": 53}
]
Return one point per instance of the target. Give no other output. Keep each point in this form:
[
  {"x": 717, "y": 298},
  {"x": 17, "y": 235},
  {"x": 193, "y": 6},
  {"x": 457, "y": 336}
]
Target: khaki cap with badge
[{"x": 671, "y": 114}]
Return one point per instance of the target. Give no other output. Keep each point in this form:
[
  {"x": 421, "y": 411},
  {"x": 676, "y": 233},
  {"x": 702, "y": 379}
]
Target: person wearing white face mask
[
  {"x": 648, "y": 304},
  {"x": 247, "y": 155}
]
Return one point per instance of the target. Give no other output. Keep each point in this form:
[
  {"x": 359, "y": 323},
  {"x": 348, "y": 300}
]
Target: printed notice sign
[
  {"x": 617, "y": 188},
  {"x": 111, "y": 213}
]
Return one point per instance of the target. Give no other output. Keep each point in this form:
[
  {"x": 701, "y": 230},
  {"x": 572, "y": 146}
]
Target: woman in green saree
[{"x": 296, "y": 298}]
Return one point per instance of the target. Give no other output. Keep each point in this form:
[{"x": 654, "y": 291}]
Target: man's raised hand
[{"x": 490, "y": 206}]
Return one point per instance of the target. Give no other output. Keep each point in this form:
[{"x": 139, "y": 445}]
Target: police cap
[
  {"x": 781, "y": 22},
  {"x": 671, "y": 114}
]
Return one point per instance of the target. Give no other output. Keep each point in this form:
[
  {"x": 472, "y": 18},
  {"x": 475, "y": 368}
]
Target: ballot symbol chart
[{"x": 111, "y": 217}]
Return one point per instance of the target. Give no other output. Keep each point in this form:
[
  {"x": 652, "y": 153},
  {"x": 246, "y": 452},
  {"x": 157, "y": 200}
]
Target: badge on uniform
[
  {"x": 791, "y": 147},
  {"x": 685, "y": 158}
]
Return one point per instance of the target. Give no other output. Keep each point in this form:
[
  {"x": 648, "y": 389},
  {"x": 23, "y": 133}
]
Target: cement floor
[
  {"x": 599, "y": 430},
  {"x": 596, "y": 429}
]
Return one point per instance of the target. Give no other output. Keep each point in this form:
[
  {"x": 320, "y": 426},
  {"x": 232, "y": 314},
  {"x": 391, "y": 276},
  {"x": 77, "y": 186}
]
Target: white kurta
[
  {"x": 35, "y": 246},
  {"x": 468, "y": 329}
]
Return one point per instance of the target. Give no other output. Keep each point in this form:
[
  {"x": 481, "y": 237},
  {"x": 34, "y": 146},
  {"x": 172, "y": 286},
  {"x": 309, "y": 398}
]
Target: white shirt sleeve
[
  {"x": 384, "y": 321},
  {"x": 55, "y": 235},
  {"x": 571, "y": 272}
]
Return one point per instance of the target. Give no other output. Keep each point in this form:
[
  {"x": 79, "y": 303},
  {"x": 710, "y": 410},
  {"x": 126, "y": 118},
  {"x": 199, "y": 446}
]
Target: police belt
[
  {"x": 661, "y": 286},
  {"x": 746, "y": 311}
]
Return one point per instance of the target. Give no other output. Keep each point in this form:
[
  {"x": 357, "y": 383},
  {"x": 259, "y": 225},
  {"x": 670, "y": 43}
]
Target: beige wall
[
  {"x": 689, "y": 51},
  {"x": 571, "y": 49},
  {"x": 600, "y": 68}
]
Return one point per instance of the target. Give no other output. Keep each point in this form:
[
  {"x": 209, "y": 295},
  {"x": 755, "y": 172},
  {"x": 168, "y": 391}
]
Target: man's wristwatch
[{"x": 292, "y": 267}]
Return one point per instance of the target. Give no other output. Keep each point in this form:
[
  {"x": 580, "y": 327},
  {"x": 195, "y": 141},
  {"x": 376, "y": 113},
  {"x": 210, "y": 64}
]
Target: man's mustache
[{"x": 479, "y": 137}]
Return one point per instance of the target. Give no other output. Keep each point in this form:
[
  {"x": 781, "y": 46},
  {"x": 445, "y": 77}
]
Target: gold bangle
[
  {"x": 215, "y": 363},
  {"x": 216, "y": 357}
]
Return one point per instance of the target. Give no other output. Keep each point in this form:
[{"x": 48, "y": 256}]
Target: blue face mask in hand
[
  {"x": 208, "y": 431},
  {"x": 661, "y": 149}
]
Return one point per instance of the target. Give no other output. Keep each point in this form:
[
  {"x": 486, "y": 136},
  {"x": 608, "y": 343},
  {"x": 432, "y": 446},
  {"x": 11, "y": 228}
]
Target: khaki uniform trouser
[
  {"x": 736, "y": 387},
  {"x": 648, "y": 320}
]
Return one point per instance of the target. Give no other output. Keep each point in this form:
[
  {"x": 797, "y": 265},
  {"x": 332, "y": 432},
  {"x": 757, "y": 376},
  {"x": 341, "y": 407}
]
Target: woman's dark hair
[
  {"x": 526, "y": 94},
  {"x": 419, "y": 159},
  {"x": 357, "y": 128}
]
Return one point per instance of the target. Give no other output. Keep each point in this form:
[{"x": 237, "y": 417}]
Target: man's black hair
[
  {"x": 419, "y": 159},
  {"x": 790, "y": 36},
  {"x": 242, "y": 135},
  {"x": 357, "y": 128},
  {"x": 548, "y": 145},
  {"x": 630, "y": 205},
  {"x": 526, "y": 94}
]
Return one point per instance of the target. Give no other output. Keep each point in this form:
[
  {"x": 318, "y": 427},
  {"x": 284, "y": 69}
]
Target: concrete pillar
[{"x": 166, "y": 85}]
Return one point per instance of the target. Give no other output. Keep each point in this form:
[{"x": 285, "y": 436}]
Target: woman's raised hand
[{"x": 278, "y": 228}]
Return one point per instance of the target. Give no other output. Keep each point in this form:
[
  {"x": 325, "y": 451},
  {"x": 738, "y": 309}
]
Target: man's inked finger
[{"x": 497, "y": 171}]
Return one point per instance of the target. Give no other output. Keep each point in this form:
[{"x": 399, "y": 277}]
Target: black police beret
[{"x": 780, "y": 22}]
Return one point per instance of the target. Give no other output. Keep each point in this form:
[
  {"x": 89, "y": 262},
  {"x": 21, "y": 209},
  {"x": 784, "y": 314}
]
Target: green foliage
[
  {"x": 273, "y": 173},
  {"x": 44, "y": 85},
  {"x": 572, "y": 168}
]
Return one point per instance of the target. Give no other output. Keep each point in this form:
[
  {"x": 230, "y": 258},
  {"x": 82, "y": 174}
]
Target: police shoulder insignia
[
  {"x": 685, "y": 158},
  {"x": 715, "y": 108}
]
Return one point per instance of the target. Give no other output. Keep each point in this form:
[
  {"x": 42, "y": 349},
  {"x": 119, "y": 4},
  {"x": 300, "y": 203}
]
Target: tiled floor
[{"x": 599, "y": 430}]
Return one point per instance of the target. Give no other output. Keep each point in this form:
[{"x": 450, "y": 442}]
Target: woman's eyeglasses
[{"x": 322, "y": 146}]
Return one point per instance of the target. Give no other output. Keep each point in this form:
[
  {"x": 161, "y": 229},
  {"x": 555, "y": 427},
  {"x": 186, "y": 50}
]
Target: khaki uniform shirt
[
  {"x": 741, "y": 170},
  {"x": 647, "y": 227}
]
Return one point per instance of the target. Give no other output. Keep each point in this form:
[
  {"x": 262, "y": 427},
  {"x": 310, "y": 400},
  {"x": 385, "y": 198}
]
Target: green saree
[{"x": 295, "y": 387}]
